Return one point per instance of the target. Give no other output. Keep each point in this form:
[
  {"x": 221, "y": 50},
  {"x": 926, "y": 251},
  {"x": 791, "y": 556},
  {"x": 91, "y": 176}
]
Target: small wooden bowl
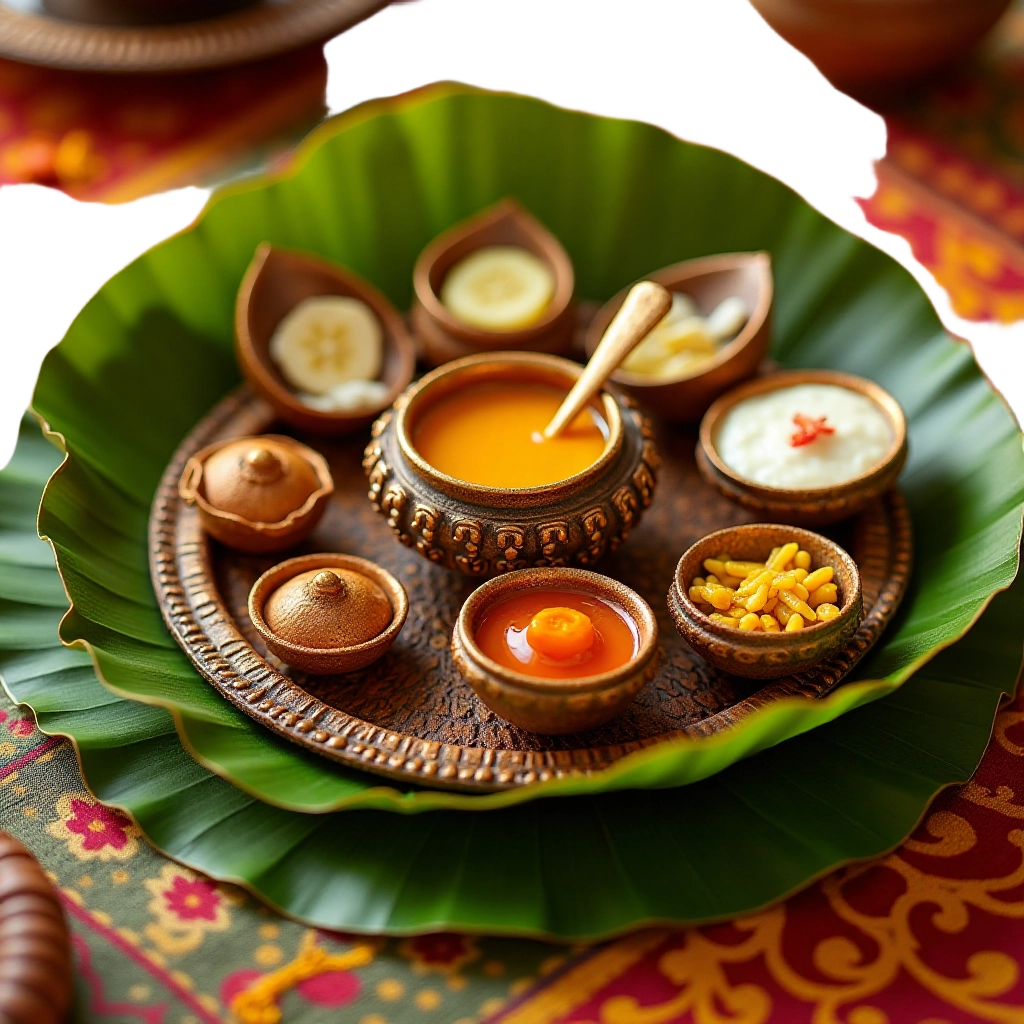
[
  {"x": 758, "y": 655},
  {"x": 813, "y": 506},
  {"x": 141, "y": 12},
  {"x": 482, "y": 531},
  {"x": 276, "y": 281},
  {"x": 319, "y": 660},
  {"x": 444, "y": 336},
  {"x": 554, "y": 706},
  {"x": 707, "y": 281},
  {"x": 245, "y": 534}
]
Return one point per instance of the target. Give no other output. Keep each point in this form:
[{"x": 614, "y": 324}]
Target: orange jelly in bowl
[
  {"x": 490, "y": 435},
  {"x": 557, "y": 634}
]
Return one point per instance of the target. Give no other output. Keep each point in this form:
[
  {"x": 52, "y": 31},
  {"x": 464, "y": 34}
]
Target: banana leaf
[
  {"x": 152, "y": 352},
  {"x": 573, "y": 869}
]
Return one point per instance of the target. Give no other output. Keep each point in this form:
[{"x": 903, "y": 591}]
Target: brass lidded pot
[
  {"x": 328, "y": 613},
  {"x": 482, "y": 531},
  {"x": 256, "y": 494}
]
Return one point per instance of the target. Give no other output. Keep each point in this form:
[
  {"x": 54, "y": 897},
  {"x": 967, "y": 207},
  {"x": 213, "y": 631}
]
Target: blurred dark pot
[
  {"x": 869, "y": 46},
  {"x": 141, "y": 12}
]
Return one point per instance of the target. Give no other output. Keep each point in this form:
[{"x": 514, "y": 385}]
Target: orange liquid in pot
[
  {"x": 504, "y": 633},
  {"x": 490, "y": 434}
]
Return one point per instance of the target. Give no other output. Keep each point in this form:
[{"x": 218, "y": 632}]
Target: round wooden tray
[
  {"x": 410, "y": 715},
  {"x": 251, "y": 33}
]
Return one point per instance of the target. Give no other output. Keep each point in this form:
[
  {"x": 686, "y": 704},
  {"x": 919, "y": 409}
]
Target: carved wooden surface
[{"x": 411, "y": 715}]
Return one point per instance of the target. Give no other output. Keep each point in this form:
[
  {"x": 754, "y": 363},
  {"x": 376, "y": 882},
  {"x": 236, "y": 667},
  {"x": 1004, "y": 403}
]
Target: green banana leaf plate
[
  {"x": 574, "y": 869},
  {"x": 152, "y": 352}
]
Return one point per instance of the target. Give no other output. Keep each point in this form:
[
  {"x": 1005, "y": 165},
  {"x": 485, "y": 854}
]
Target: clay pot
[
  {"x": 707, "y": 281},
  {"x": 255, "y": 494},
  {"x": 442, "y": 336},
  {"x": 758, "y": 655},
  {"x": 278, "y": 280},
  {"x": 554, "y": 706},
  {"x": 482, "y": 531},
  {"x": 328, "y": 613},
  {"x": 812, "y": 506},
  {"x": 870, "y": 46}
]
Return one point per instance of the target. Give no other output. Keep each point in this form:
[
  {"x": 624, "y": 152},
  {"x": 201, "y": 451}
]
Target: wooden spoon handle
[{"x": 645, "y": 306}]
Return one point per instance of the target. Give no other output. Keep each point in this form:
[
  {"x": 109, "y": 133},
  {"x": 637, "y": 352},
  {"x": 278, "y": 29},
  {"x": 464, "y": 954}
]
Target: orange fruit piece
[{"x": 560, "y": 633}]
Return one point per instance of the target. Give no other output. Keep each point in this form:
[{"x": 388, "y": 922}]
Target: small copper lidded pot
[
  {"x": 444, "y": 335},
  {"x": 855, "y": 419},
  {"x": 328, "y": 613},
  {"x": 765, "y": 655},
  {"x": 553, "y": 706},
  {"x": 485, "y": 529},
  {"x": 256, "y": 494}
]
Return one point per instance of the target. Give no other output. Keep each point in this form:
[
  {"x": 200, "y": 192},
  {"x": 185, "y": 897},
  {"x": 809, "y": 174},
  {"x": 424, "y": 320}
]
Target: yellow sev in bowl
[{"x": 781, "y": 593}]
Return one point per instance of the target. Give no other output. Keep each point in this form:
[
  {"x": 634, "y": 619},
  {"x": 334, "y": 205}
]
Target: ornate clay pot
[{"x": 482, "y": 531}]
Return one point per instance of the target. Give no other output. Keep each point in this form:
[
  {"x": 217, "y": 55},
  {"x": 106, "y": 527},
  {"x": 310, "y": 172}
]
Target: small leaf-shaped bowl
[
  {"x": 328, "y": 660},
  {"x": 807, "y": 506},
  {"x": 245, "y": 534},
  {"x": 555, "y": 706},
  {"x": 707, "y": 281},
  {"x": 276, "y": 281},
  {"x": 758, "y": 655},
  {"x": 443, "y": 336}
]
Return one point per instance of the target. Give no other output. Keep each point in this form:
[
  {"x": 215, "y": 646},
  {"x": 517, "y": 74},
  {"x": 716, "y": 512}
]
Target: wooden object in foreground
[
  {"x": 35, "y": 949},
  {"x": 410, "y": 716}
]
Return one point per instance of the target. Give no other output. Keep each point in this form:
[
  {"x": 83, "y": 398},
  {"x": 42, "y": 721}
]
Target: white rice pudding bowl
[{"x": 755, "y": 437}]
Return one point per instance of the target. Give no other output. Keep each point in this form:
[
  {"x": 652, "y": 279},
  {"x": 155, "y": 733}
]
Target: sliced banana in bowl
[
  {"x": 499, "y": 288},
  {"x": 498, "y": 280},
  {"x": 328, "y": 340},
  {"x": 318, "y": 342}
]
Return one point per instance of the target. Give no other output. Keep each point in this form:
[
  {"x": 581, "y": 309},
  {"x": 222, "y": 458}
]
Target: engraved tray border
[{"x": 198, "y": 620}]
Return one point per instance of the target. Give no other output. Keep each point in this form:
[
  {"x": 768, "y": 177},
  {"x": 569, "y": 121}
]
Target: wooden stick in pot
[{"x": 646, "y": 306}]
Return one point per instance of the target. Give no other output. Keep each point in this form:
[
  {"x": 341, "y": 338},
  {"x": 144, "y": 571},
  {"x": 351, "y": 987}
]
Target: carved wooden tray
[{"x": 410, "y": 715}]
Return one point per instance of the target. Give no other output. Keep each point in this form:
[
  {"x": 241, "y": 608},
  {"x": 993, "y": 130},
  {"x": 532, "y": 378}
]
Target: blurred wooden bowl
[{"x": 869, "y": 46}]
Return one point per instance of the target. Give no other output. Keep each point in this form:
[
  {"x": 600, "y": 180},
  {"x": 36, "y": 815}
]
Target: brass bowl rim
[
  {"x": 557, "y": 259},
  {"x": 192, "y": 479},
  {"x": 262, "y": 369},
  {"x": 701, "y": 265},
  {"x": 279, "y": 574},
  {"x": 484, "y": 494},
  {"x": 781, "y": 639},
  {"x": 546, "y": 577},
  {"x": 779, "y": 380}
]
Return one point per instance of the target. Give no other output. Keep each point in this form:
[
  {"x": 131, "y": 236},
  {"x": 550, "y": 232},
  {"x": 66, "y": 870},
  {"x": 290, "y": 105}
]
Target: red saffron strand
[{"x": 809, "y": 428}]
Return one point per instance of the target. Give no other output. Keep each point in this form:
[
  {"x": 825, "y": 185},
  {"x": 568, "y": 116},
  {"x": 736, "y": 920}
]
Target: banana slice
[
  {"x": 726, "y": 320},
  {"x": 499, "y": 288},
  {"x": 670, "y": 338},
  {"x": 327, "y": 340}
]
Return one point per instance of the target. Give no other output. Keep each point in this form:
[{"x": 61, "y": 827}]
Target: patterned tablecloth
[{"x": 932, "y": 933}]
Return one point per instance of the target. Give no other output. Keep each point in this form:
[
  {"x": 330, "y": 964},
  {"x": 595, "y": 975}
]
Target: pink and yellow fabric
[{"x": 932, "y": 934}]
